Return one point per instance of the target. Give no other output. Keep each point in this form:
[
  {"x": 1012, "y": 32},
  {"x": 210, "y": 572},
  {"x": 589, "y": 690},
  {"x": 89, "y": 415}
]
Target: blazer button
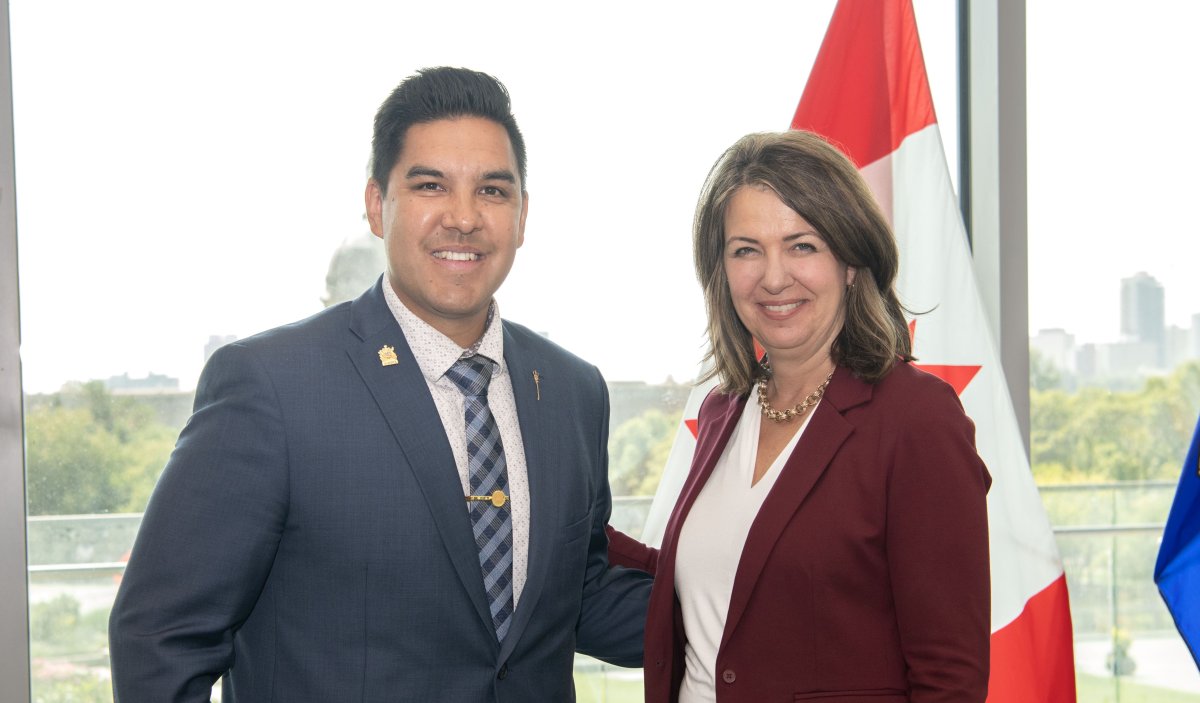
[
  {"x": 728, "y": 676},
  {"x": 658, "y": 664},
  {"x": 503, "y": 673}
]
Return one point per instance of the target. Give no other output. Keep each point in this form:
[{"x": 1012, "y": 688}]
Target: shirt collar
[{"x": 435, "y": 352}]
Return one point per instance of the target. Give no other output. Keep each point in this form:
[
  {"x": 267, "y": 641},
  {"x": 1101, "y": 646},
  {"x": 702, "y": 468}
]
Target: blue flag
[{"x": 1177, "y": 572}]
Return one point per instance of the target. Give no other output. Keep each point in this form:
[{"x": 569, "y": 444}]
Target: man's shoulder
[
  {"x": 330, "y": 323},
  {"x": 520, "y": 341}
]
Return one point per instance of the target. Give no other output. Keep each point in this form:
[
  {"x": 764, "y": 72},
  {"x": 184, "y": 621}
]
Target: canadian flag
[{"x": 868, "y": 94}]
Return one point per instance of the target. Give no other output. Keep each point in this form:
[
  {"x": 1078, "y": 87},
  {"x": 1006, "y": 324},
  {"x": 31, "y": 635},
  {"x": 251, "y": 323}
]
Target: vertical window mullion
[{"x": 14, "y": 591}]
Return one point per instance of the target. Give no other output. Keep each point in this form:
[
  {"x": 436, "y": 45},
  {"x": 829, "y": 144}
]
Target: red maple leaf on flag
[{"x": 957, "y": 376}]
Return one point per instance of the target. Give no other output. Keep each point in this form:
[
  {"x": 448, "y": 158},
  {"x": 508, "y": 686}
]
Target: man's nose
[{"x": 462, "y": 214}]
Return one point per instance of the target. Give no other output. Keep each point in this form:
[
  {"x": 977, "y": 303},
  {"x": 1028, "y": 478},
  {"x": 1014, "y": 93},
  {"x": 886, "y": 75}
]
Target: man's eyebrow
[
  {"x": 501, "y": 175},
  {"x": 424, "y": 171}
]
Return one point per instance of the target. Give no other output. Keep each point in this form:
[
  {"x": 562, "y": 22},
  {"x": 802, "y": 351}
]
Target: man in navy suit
[{"x": 403, "y": 497}]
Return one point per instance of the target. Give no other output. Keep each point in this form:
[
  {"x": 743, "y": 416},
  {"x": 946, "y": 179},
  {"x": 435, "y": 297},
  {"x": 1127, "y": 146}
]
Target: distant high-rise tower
[{"x": 1143, "y": 316}]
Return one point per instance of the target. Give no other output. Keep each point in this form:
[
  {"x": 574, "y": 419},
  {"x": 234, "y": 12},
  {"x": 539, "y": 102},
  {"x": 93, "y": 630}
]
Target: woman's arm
[
  {"x": 937, "y": 542},
  {"x": 624, "y": 550}
]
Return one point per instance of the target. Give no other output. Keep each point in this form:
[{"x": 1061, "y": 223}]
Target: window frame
[{"x": 14, "y": 585}]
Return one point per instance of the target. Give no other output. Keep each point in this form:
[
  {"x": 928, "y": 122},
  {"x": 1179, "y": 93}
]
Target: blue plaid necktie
[{"x": 485, "y": 460}]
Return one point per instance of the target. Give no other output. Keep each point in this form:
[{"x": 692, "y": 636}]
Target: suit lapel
[
  {"x": 826, "y": 432},
  {"x": 403, "y": 397},
  {"x": 543, "y": 475}
]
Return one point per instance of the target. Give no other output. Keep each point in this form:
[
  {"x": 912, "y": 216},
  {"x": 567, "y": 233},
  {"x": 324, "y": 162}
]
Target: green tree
[
  {"x": 88, "y": 451},
  {"x": 55, "y": 621},
  {"x": 638, "y": 451},
  {"x": 72, "y": 464},
  {"x": 1102, "y": 435},
  {"x": 80, "y": 688},
  {"x": 1043, "y": 374}
]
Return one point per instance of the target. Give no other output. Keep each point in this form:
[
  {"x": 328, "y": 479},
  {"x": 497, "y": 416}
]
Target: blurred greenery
[
  {"x": 1100, "y": 689},
  {"x": 638, "y": 450},
  {"x": 1096, "y": 435},
  {"x": 58, "y": 628},
  {"x": 77, "y": 688},
  {"x": 88, "y": 451},
  {"x": 69, "y": 648}
]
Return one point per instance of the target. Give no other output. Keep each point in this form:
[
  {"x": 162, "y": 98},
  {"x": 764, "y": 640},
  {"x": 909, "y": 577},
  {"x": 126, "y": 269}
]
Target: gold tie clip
[{"x": 497, "y": 498}]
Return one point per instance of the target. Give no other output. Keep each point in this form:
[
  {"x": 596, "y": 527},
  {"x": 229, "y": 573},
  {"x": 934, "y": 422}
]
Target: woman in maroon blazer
[{"x": 830, "y": 542}]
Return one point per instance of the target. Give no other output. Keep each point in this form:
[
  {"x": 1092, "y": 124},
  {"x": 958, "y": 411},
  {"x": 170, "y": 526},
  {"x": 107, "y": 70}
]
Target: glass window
[
  {"x": 188, "y": 176},
  {"x": 1114, "y": 312}
]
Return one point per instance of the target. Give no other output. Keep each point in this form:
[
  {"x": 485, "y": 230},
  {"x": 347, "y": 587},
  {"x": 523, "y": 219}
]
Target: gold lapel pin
[
  {"x": 387, "y": 356},
  {"x": 537, "y": 383}
]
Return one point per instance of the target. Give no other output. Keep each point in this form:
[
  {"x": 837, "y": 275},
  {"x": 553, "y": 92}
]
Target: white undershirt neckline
[{"x": 710, "y": 547}]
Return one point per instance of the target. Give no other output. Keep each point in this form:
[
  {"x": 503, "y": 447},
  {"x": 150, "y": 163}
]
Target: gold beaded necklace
[{"x": 794, "y": 411}]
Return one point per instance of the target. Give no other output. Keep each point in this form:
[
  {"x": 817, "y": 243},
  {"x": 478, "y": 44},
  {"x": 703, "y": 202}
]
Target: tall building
[
  {"x": 1056, "y": 346},
  {"x": 1143, "y": 313},
  {"x": 1179, "y": 346}
]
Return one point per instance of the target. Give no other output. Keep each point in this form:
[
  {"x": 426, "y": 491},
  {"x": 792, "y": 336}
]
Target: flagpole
[{"x": 963, "y": 44}]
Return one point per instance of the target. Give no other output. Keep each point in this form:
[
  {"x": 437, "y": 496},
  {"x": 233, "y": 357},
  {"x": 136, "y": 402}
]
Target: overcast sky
[{"x": 185, "y": 170}]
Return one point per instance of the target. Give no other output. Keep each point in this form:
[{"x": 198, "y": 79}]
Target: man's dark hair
[{"x": 436, "y": 94}]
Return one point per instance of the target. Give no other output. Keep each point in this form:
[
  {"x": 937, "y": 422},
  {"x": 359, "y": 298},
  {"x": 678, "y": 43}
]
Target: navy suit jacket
[
  {"x": 865, "y": 575},
  {"x": 309, "y": 540}
]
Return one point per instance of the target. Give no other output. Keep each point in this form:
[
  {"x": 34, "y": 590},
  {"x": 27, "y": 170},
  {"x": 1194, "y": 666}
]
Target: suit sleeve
[
  {"x": 937, "y": 544},
  {"x": 207, "y": 541},
  {"x": 624, "y": 550},
  {"x": 612, "y": 616}
]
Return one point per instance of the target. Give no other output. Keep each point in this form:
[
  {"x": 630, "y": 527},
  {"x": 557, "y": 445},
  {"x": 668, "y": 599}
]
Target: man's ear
[
  {"x": 374, "y": 201},
  {"x": 524, "y": 214}
]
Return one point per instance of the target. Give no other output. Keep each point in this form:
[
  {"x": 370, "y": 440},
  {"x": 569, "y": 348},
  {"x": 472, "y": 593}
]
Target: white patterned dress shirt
[{"x": 435, "y": 354}]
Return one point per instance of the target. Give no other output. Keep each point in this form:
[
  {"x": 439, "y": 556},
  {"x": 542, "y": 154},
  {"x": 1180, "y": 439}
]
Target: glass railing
[{"x": 1126, "y": 645}]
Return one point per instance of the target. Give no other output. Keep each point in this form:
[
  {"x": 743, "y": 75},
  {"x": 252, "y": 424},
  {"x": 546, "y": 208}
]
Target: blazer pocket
[{"x": 866, "y": 695}]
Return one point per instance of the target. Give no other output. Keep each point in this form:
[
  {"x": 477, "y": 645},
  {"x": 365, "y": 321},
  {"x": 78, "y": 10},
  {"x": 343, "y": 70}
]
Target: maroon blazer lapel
[
  {"x": 664, "y": 625},
  {"x": 711, "y": 437},
  {"x": 826, "y": 432}
]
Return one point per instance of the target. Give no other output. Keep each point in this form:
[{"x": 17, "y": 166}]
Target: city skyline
[
  {"x": 1118, "y": 332},
  {"x": 1147, "y": 345}
]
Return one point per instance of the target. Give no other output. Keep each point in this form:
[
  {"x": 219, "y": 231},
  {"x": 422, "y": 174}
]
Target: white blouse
[{"x": 710, "y": 548}]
